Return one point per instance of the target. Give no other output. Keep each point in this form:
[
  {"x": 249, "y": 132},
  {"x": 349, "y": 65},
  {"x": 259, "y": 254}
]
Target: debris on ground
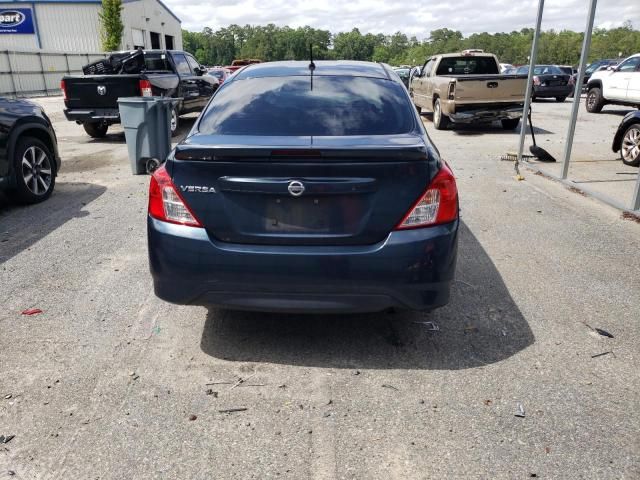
[
  {"x": 6, "y": 438},
  {"x": 432, "y": 327},
  {"x": 604, "y": 333},
  {"x": 470, "y": 328},
  {"x": 519, "y": 411},
  {"x": 192, "y": 417},
  {"x": 357, "y": 372},
  {"x": 7, "y": 396},
  {"x": 243, "y": 380},
  {"x": 599, "y": 331},
  {"x": 487, "y": 402},
  {"x": 603, "y": 354},
  {"x": 211, "y": 392},
  {"x": 32, "y": 311},
  {"x": 232, "y": 410},
  {"x": 384, "y": 385}
]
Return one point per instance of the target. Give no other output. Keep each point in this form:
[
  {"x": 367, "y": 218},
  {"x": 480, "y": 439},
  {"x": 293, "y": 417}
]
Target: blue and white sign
[{"x": 16, "y": 20}]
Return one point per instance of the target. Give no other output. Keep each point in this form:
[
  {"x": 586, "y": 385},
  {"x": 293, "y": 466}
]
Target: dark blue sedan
[{"x": 305, "y": 188}]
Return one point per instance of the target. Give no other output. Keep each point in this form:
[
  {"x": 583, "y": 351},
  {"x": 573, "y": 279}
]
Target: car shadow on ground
[
  {"x": 21, "y": 226},
  {"x": 476, "y": 129},
  {"x": 480, "y": 326}
]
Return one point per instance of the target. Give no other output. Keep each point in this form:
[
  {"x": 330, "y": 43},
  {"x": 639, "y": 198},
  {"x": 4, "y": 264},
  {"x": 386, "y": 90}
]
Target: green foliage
[
  {"x": 111, "y": 24},
  {"x": 284, "y": 43}
]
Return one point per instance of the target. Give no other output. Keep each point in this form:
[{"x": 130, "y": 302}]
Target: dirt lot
[{"x": 111, "y": 383}]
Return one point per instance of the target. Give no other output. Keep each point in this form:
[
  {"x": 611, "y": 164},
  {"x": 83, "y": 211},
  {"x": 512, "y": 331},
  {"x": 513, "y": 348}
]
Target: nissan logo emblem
[
  {"x": 296, "y": 188},
  {"x": 102, "y": 90}
]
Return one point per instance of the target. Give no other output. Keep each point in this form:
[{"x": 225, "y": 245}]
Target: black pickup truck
[{"x": 92, "y": 100}]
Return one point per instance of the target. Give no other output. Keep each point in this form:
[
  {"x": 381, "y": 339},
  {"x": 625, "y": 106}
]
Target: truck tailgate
[
  {"x": 99, "y": 91},
  {"x": 479, "y": 89}
]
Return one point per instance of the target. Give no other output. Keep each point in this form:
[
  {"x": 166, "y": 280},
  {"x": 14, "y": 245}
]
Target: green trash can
[{"x": 147, "y": 130}]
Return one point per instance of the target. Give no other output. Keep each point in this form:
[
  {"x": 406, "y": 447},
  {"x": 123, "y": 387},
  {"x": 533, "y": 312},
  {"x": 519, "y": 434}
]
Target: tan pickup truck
[{"x": 467, "y": 87}]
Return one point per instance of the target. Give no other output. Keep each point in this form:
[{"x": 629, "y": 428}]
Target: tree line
[{"x": 270, "y": 42}]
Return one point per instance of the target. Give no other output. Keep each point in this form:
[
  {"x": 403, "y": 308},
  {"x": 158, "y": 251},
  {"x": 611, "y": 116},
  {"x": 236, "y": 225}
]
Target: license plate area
[{"x": 297, "y": 215}]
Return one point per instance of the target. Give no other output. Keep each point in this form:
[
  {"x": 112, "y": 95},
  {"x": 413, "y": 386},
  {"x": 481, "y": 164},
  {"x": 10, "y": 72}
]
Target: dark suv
[{"x": 29, "y": 158}]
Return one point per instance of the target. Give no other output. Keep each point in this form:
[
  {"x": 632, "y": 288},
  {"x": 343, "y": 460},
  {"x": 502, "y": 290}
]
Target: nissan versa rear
[{"x": 305, "y": 188}]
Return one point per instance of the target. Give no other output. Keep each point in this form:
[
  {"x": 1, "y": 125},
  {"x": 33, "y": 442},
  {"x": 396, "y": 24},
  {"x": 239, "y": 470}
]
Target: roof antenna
[{"x": 312, "y": 66}]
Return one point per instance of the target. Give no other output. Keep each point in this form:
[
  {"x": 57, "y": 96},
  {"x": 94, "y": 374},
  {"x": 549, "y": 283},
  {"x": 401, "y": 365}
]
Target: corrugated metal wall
[
  {"x": 69, "y": 27},
  {"x": 17, "y": 41},
  {"x": 39, "y": 72}
]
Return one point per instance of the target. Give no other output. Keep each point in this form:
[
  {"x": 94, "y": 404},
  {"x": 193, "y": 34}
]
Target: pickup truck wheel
[
  {"x": 630, "y": 147},
  {"x": 174, "y": 121},
  {"x": 34, "y": 168},
  {"x": 440, "y": 120},
  {"x": 510, "y": 123},
  {"x": 594, "y": 102},
  {"x": 560, "y": 99},
  {"x": 96, "y": 130}
]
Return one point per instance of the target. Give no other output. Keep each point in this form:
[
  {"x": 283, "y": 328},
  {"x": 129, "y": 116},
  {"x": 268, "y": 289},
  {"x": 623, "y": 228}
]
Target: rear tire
[
  {"x": 594, "y": 102},
  {"x": 560, "y": 99},
  {"x": 510, "y": 123},
  {"x": 96, "y": 130},
  {"x": 630, "y": 146},
  {"x": 174, "y": 121},
  {"x": 34, "y": 168},
  {"x": 440, "y": 120}
]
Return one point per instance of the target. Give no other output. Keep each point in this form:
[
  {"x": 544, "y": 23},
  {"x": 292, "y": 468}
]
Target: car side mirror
[{"x": 200, "y": 71}]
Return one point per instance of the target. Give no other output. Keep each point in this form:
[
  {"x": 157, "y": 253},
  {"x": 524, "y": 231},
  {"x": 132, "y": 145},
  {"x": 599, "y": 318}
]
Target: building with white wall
[{"x": 73, "y": 26}]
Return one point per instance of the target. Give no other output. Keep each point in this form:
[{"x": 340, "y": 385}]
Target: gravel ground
[{"x": 111, "y": 383}]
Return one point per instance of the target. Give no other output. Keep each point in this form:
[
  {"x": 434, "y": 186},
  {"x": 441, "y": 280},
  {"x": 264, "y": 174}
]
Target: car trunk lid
[{"x": 301, "y": 190}]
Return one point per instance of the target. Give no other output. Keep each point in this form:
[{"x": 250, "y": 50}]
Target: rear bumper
[
  {"x": 95, "y": 115},
  {"x": 409, "y": 269},
  {"x": 555, "y": 91},
  {"x": 465, "y": 114}
]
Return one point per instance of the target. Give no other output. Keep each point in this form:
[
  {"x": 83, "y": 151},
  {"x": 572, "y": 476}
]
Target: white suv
[{"x": 617, "y": 85}]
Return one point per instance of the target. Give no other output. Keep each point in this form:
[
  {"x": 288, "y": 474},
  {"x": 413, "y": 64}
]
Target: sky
[{"x": 412, "y": 17}]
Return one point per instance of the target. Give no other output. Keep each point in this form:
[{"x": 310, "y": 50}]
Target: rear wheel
[
  {"x": 174, "y": 121},
  {"x": 560, "y": 99},
  {"x": 96, "y": 130},
  {"x": 440, "y": 120},
  {"x": 630, "y": 147},
  {"x": 595, "y": 102},
  {"x": 510, "y": 123},
  {"x": 34, "y": 169}
]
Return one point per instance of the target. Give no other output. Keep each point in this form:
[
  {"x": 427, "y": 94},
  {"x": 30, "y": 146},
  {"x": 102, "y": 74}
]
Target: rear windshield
[
  {"x": 467, "y": 66},
  {"x": 547, "y": 70},
  {"x": 156, "y": 61},
  {"x": 287, "y": 106}
]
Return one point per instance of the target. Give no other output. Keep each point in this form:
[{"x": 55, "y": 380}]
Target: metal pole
[
  {"x": 586, "y": 44},
  {"x": 13, "y": 80},
  {"x": 532, "y": 62},
  {"x": 44, "y": 77},
  {"x": 635, "y": 204}
]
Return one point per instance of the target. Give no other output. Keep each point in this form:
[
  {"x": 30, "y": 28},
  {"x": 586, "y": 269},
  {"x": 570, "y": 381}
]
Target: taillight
[
  {"x": 439, "y": 204},
  {"x": 451, "y": 92},
  {"x": 145, "y": 88},
  {"x": 536, "y": 80},
  {"x": 63, "y": 87},
  {"x": 166, "y": 204}
]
